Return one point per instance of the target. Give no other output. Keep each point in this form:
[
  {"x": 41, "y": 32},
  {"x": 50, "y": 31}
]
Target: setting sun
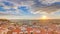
[{"x": 44, "y": 17}]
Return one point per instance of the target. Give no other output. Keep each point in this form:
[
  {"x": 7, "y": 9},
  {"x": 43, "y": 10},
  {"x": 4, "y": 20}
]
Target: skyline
[{"x": 29, "y": 9}]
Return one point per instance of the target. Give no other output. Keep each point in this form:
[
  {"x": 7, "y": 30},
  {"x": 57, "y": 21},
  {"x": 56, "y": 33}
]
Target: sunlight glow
[{"x": 44, "y": 17}]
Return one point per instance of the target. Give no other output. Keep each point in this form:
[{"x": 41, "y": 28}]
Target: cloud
[
  {"x": 15, "y": 9},
  {"x": 49, "y": 9},
  {"x": 8, "y": 8},
  {"x": 46, "y": 8},
  {"x": 49, "y": 1},
  {"x": 31, "y": 6}
]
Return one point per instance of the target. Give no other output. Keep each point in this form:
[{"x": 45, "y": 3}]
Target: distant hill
[{"x": 47, "y": 21}]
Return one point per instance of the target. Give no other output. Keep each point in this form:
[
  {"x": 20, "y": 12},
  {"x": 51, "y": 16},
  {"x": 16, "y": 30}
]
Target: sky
[{"x": 29, "y": 9}]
